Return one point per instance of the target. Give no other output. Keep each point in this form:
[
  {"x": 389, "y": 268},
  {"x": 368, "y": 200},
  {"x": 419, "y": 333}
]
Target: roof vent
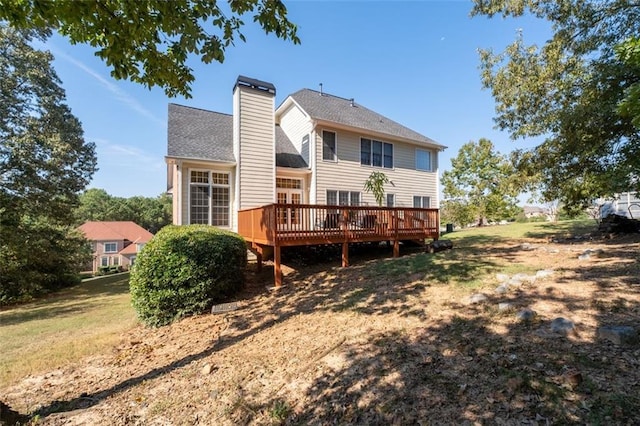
[
  {"x": 353, "y": 102},
  {"x": 321, "y": 89},
  {"x": 255, "y": 84}
]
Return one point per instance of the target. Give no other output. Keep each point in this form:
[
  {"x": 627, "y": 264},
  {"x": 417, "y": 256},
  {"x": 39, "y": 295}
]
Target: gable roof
[
  {"x": 286, "y": 154},
  {"x": 325, "y": 107},
  {"x": 104, "y": 231},
  {"x": 199, "y": 134}
]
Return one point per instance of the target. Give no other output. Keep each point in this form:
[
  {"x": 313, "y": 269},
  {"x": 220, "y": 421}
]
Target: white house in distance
[{"x": 314, "y": 148}]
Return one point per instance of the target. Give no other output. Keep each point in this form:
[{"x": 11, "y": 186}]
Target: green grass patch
[
  {"x": 64, "y": 327},
  {"x": 457, "y": 267},
  {"x": 475, "y": 237}
]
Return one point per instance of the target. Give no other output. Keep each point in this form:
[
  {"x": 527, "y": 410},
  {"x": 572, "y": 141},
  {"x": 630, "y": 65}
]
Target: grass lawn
[
  {"x": 64, "y": 327},
  {"x": 514, "y": 231},
  {"x": 384, "y": 341}
]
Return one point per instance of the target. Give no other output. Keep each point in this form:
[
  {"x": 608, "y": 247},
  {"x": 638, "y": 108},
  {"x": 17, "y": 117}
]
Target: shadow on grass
[
  {"x": 71, "y": 301},
  {"x": 403, "y": 378},
  {"x": 563, "y": 229},
  {"x": 400, "y": 378}
]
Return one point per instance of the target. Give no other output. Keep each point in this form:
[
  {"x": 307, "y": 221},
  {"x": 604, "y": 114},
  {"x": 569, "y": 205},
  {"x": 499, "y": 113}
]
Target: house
[
  {"x": 534, "y": 211},
  {"x": 115, "y": 243},
  {"x": 314, "y": 149},
  {"x": 623, "y": 204}
]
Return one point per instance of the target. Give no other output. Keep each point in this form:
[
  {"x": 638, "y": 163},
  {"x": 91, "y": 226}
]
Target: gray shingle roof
[
  {"x": 339, "y": 110},
  {"x": 200, "y": 134},
  {"x": 286, "y": 153},
  {"x": 206, "y": 135}
]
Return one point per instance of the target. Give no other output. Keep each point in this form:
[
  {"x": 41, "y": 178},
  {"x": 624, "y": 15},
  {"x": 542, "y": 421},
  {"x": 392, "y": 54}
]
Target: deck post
[
  {"x": 277, "y": 272},
  {"x": 345, "y": 254},
  {"x": 396, "y": 248}
]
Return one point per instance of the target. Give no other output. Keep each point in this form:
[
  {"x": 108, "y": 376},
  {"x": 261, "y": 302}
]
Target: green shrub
[{"x": 184, "y": 270}]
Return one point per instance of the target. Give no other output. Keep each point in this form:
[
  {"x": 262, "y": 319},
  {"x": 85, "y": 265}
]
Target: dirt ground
[{"x": 385, "y": 341}]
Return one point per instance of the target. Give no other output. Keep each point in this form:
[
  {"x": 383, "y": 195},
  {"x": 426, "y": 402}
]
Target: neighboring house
[
  {"x": 314, "y": 148},
  {"x": 534, "y": 211},
  {"x": 115, "y": 243},
  {"x": 623, "y": 204}
]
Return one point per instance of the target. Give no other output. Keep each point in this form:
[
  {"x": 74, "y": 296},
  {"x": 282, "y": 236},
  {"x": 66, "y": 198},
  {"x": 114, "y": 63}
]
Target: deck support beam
[
  {"x": 345, "y": 254},
  {"x": 396, "y": 248},
  {"x": 277, "y": 270}
]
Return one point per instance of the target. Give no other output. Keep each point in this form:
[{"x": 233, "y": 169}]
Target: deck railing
[{"x": 304, "y": 224}]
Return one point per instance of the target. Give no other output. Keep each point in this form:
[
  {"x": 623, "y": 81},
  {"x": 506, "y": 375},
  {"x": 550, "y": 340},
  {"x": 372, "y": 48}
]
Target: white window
[
  {"x": 423, "y": 160},
  {"x": 110, "y": 247},
  {"x": 288, "y": 183},
  {"x": 104, "y": 261},
  {"x": 391, "y": 200},
  {"x": 329, "y": 148},
  {"x": 115, "y": 260},
  {"x": 343, "y": 198},
  {"x": 209, "y": 198},
  {"x": 375, "y": 153},
  {"x": 421, "y": 202}
]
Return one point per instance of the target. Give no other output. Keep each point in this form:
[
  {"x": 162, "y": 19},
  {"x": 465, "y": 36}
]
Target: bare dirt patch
[{"x": 386, "y": 341}]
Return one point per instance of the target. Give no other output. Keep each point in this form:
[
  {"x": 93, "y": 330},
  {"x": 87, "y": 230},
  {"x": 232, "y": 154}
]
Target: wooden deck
[{"x": 274, "y": 226}]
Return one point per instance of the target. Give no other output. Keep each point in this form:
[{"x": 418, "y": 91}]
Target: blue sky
[{"x": 414, "y": 62}]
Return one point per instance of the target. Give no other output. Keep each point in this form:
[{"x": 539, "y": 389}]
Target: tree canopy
[
  {"x": 150, "y": 41},
  {"x": 481, "y": 185},
  {"x": 579, "y": 91},
  {"x": 44, "y": 163},
  {"x": 150, "y": 213}
]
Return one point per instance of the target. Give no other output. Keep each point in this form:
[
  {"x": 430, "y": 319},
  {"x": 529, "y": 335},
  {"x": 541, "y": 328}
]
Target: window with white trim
[
  {"x": 329, "y": 148},
  {"x": 115, "y": 260},
  {"x": 288, "y": 183},
  {"x": 343, "y": 198},
  {"x": 391, "y": 200},
  {"x": 110, "y": 247},
  {"x": 209, "y": 198},
  {"x": 423, "y": 160},
  {"x": 421, "y": 202},
  {"x": 376, "y": 153},
  {"x": 104, "y": 261}
]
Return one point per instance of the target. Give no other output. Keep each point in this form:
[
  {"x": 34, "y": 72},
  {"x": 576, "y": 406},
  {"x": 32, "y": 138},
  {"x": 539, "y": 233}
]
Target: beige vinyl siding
[
  {"x": 348, "y": 174},
  {"x": 295, "y": 124},
  {"x": 186, "y": 173},
  {"x": 257, "y": 156}
]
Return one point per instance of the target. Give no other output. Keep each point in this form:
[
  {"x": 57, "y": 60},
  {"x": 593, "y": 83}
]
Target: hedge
[{"x": 184, "y": 270}]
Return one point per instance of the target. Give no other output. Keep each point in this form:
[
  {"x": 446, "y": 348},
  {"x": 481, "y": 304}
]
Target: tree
[
  {"x": 570, "y": 92},
  {"x": 375, "y": 184},
  {"x": 150, "y": 213},
  {"x": 481, "y": 184},
  {"x": 150, "y": 41},
  {"x": 44, "y": 163}
]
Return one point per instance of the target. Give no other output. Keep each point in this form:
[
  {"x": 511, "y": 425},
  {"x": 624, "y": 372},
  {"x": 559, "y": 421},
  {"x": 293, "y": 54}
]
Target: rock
[
  {"x": 584, "y": 256},
  {"x": 554, "y": 251},
  {"x": 477, "y": 298},
  {"x": 544, "y": 273},
  {"x": 440, "y": 245},
  {"x": 526, "y": 314},
  {"x": 505, "y": 306},
  {"x": 562, "y": 326},
  {"x": 514, "y": 282},
  {"x": 618, "y": 334},
  {"x": 502, "y": 277},
  {"x": 526, "y": 247},
  {"x": 206, "y": 370},
  {"x": 502, "y": 289}
]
